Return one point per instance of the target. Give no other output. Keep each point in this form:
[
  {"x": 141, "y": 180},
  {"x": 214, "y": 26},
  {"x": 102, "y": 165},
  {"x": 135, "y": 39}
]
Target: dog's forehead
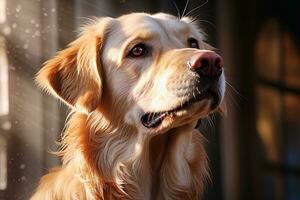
[
  {"x": 172, "y": 23},
  {"x": 136, "y": 22},
  {"x": 163, "y": 30}
]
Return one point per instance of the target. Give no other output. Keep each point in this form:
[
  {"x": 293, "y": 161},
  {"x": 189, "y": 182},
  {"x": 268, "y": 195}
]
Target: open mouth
[{"x": 154, "y": 119}]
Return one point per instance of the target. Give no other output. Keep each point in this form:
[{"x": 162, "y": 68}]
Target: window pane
[
  {"x": 268, "y": 122},
  {"x": 267, "y": 50},
  {"x": 293, "y": 184},
  {"x": 291, "y": 59},
  {"x": 292, "y": 130},
  {"x": 273, "y": 186}
]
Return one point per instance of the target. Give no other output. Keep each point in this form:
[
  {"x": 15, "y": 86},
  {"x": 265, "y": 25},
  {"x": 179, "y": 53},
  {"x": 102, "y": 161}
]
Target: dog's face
[{"x": 153, "y": 72}]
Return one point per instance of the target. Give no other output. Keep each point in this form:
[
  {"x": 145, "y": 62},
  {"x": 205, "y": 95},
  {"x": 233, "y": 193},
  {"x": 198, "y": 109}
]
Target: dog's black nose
[{"x": 207, "y": 64}]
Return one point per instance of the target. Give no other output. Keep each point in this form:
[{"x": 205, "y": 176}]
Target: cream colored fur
[{"x": 106, "y": 152}]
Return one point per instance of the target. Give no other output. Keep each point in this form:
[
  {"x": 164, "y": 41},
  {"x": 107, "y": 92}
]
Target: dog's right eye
[
  {"x": 138, "y": 50},
  {"x": 193, "y": 43}
]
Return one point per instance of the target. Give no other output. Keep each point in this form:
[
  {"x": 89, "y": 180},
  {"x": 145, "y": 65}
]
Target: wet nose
[{"x": 207, "y": 64}]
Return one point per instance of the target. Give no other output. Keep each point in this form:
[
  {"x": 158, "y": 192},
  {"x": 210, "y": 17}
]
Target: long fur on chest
[{"x": 101, "y": 162}]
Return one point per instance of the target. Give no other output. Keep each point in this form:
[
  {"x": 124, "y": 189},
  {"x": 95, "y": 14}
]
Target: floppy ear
[{"x": 74, "y": 74}]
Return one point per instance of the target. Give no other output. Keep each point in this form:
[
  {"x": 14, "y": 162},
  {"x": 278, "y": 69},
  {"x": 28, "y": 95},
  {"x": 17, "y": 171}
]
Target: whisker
[
  {"x": 190, "y": 12},
  {"x": 233, "y": 100},
  {"x": 194, "y": 95},
  {"x": 185, "y": 7},
  {"x": 234, "y": 90},
  {"x": 202, "y": 20},
  {"x": 210, "y": 23},
  {"x": 178, "y": 12},
  {"x": 207, "y": 123},
  {"x": 213, "y": 116},
  {"x": 210, "y": 123},
  {"x": 198, "y": 91}
]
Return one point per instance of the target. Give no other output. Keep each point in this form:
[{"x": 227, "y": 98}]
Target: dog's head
[{"x": 153, "y": 72}]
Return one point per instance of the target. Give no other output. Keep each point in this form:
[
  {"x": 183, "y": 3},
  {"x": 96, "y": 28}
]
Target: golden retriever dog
[{"x": 137, "y": 86}]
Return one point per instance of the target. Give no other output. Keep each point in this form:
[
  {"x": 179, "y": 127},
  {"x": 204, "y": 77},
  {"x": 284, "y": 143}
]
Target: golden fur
[{"x": 106, "y": 152}]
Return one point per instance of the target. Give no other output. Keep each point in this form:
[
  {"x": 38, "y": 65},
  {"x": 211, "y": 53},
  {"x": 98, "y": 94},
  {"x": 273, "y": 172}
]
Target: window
[
  {"x": 278, "y": 107},
  {"x": 3, "y": 79},
  {"x": 4, "y": 105}
]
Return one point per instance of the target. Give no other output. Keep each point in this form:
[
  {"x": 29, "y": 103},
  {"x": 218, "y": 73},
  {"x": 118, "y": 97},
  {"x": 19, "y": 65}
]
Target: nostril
[
  {"x": 204, "y": 67},
  {"x": 204, "y": 63},
  {"x": 207, "y": 64}
]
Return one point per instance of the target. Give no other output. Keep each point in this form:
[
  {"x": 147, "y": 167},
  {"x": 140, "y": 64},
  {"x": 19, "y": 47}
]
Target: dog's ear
[{"x": 74, "y": 74}]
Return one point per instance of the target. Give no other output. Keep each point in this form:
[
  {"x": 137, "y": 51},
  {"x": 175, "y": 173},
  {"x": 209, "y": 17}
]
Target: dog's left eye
[
  {"x": 193, "y": 43},
  {"x": 138, "y": 50}
]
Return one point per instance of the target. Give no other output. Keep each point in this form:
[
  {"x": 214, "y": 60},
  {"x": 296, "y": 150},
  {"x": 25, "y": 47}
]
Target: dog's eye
[
  {"x": 193, "y": 43},
  {"x": 138, "y": 51}
]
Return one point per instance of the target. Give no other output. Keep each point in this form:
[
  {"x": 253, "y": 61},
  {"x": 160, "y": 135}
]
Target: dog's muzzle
[{"x": 200, "y": 82}]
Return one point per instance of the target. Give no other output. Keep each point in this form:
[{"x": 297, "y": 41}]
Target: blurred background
[{"x": 254, "y": 152}]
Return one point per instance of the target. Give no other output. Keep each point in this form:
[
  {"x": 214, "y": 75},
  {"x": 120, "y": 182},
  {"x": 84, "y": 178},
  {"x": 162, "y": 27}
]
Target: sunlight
[
  {"x": 3, "y": 164},
  {"x": 2, "y": 11},
  {"x": 4, "y": 108}
]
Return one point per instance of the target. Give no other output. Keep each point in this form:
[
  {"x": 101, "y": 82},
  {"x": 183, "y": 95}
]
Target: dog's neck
[
  {"x": 158, "y": 149},
  {"x": 140, "y": 166}
]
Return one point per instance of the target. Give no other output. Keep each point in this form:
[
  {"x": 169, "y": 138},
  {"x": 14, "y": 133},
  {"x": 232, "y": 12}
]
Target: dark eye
[
  {"x": 138, "y": 51},
  {"x": 193, "y": 43}
]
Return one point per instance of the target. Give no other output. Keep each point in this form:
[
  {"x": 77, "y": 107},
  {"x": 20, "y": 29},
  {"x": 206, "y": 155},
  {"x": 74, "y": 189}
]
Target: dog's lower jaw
[{"x": 125, "y": 166}]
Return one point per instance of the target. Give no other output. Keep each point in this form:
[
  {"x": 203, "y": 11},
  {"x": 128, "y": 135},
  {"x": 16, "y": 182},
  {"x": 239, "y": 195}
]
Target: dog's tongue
[{"x": 152, "y": 120}]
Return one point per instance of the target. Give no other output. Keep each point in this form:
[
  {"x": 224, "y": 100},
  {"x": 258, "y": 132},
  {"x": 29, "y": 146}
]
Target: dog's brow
[
  {"x": 144, "y": 35},
  {"x": 141, "y": 36}
]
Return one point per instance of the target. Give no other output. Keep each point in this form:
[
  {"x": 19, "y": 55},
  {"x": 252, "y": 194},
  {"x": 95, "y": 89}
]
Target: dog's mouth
[{"x": 154, "y": 119}]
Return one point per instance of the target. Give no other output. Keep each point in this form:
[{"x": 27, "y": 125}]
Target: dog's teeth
[{"x": 152, "y": 120}]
